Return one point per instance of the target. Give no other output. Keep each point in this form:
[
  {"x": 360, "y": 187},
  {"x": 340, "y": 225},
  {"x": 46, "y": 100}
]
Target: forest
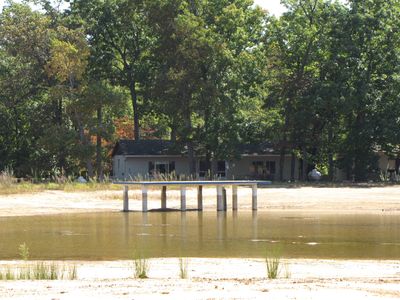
[{"x": 321, "y": 82}]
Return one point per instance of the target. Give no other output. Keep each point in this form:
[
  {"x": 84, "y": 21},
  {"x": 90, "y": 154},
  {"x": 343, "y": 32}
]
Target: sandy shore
[
  {"x": 375, "y": 200},
  {"x": 216, "y": 278}
]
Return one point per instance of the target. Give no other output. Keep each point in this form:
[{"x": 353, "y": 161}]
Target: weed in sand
[
  {"x": 273, "y": 260},
  {"x": 39, "y": 271},
  {"x": 141, "y": 265},
  {"x": 183, "y": 267}
]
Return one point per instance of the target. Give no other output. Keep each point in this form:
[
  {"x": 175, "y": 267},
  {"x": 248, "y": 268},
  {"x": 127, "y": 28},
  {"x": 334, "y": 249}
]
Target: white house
[{"x": 147, "y": 158}]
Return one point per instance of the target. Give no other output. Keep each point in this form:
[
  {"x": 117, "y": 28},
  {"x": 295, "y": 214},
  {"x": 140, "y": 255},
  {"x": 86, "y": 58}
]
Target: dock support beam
[
  {"x": 234, "y": 197},
  {"x": 254, "y": 196},
  {"x": 200, "y": 197},
  {"x": 224, "y": 204},
  {"x": 220, "y": 205},
  {"x": 126, "y": 199},
  {"x": 183, "y": 198},
  {"x": 164, "y": 198},
  {"x": 144, "y": 198}
]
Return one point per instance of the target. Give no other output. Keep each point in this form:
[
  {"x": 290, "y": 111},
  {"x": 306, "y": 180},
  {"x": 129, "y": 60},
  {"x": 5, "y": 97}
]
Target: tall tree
[
  {"x": 371, "y": 43},
  {"x": 208, "y": 64},
  {"x": 119, "y": 40}
]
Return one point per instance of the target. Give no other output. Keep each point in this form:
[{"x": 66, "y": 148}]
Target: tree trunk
[
  {"x": 282, "y": 162},
  {"x": 330, "y": 155},
  {"x": 136, "y": 127},
  {"x": 208, "y": 162},
  {"x": 84, "y": 142},
  {"x": 305, "y": 164},
  {"x": 192, "y": 161},
  {"x": 61, "y": 157},
  {"x": 173, "y": 134},
  {"x": 292, "y": 167},
  {"x": 188, "y": 132},
  {"x": 99, "y": 166}
]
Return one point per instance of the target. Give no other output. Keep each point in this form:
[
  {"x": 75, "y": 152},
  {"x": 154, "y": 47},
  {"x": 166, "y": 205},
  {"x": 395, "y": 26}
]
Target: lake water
[{"x": 116, "y": 235}]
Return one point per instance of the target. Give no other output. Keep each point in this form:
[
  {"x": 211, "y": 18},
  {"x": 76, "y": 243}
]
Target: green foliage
[{"x": 321, "y": 82}]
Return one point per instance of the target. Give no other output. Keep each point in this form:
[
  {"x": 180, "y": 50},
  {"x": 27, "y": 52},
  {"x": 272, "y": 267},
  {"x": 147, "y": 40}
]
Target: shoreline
[{"x": 226, "y": 278}]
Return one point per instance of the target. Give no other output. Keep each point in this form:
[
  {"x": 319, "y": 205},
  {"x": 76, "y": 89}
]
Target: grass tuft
[
  {"x": 183, "y": 267},
  {"x": 273, "y": 260},
  {"x": 39, "y": 271},
  {"x": 141, "y": 265}
]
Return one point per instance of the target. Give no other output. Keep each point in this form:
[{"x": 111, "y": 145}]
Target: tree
[
  {"x": 24, "y": 36},
  {"x": 371, "y": 44},
  {"x": 119, "y": 40},
  {"x": 207, "y": 67},
  {"x": 295, "y": 44}
]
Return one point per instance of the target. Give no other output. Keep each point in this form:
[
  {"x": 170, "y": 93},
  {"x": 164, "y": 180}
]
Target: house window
[
  {"x": 257, "y": 168},
  {"x": 161, "y": 167},
  {"x": 270, "y": 167},
  {"x": 263, "y": 170},
  {"x": 204, "y": 168},
  {"x": 221, "y": 168}
]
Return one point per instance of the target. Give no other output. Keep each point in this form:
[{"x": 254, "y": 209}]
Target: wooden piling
[
  {"x": 144, "y": 198},
  {"x": 183, "y": 198},
  {"x": 200, "y": 197},
  {"x": 220, "y": 205},
  {"x": 234, "y": 197},
  {"x": 254, "y": 196},
  {"x": 164, "y": 198},
  {"x": 224, "y": 204},
  {"x": 126, "y": 198}
]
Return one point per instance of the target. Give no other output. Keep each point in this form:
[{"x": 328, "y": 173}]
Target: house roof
[
  {"x": 256, "y": 149},
  {"x": 164, "y": 147},
  {"x": 145, "y": 147}
]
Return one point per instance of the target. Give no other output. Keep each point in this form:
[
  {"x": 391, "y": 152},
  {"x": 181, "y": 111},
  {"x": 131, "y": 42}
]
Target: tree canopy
[{"x": 321, "y": 82}]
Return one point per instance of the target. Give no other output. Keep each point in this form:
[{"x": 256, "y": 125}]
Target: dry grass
[
  {"x": 27, "y": 187},
  {"x": 39, "y": 271}
]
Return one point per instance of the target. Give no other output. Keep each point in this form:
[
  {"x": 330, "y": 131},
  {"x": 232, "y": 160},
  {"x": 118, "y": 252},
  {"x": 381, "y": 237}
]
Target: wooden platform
[{"x": 220, "y": 186}]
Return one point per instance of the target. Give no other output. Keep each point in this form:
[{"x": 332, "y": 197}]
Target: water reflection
[{"x": 203, "y": 234}]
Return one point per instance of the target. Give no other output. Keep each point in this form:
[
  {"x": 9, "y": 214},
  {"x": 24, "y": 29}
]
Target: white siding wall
[
  {"x": 240, "y": 169},
  {"x": 118, "y": 166},
  {"x": 130, "y": 167},
  {"x": 181, "y": 165},
  {"x": 386, "y": 163}
]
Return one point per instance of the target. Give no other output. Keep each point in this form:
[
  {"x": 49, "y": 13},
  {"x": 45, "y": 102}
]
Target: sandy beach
[
  {"x": 375, "y": 200},
  {"x": 212, "y": 278}
]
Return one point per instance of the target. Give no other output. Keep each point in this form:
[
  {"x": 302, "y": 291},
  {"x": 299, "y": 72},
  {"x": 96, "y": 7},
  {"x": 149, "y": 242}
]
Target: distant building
[{"x": 149, "y": 158}]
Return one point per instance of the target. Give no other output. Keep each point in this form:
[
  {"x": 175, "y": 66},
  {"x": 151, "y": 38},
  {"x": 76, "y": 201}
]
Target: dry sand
[
  {"x": 375, "y": 200},
  {"x": 216, "y": 278}
]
